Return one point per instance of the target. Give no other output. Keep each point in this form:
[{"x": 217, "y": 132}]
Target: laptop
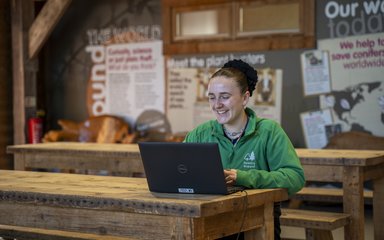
[{"x": 190, "y": 168}]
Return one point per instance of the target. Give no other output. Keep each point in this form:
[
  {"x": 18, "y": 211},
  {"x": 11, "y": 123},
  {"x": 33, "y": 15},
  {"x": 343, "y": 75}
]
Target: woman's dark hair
[{"x": 242, "y": 72}]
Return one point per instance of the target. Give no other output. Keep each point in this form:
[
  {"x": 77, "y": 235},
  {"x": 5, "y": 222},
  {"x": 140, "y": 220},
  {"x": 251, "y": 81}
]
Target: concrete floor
[{"x": 338, "y": 234}]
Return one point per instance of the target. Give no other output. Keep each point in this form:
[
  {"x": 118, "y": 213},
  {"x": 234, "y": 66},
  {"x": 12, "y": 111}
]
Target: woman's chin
[{"x": 221, "y": 120}]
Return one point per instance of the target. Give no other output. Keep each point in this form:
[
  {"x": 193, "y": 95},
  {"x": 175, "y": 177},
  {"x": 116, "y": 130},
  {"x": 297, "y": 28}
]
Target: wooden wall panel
[{"x": 5, "y": 84}]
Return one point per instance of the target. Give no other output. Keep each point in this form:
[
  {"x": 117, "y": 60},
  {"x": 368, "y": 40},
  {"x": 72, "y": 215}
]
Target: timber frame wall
[
  {"x": 23, "y": 34},
  {"x": 29, "y": 34}
]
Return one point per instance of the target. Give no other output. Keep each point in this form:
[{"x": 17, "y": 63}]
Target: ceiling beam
[{"x": 44, "y": 24}]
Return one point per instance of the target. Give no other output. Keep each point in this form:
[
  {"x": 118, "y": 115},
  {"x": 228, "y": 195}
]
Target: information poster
[
  {"x": 358, "y": 83},
  {"x": 134, "y": 78},
  {"x": 315, "y": 72},
  {"x": 315, "y": 125}
]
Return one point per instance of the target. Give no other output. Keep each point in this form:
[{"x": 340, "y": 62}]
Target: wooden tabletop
[
  {"x": 119, "y": 193},
  {"x": 340, "y": 157},
  {"x": 104, "y": 149},
  {"x": 307, "y": 156}
]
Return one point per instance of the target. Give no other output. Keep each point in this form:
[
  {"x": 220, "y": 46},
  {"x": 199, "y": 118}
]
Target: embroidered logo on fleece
[{"x": 250, "y": 160}]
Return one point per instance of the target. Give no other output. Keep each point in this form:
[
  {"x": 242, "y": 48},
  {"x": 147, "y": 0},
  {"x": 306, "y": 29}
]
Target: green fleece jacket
[{"x": 264, "y": 156}]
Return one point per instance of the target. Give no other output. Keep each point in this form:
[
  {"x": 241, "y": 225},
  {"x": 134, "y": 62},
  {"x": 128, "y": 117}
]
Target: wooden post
[
  {"x": 353, "y": 196},
  {"x": 378, "y": 200},
  {"x": 21, "y": 18},
  {"x": 28, "y": 36}
]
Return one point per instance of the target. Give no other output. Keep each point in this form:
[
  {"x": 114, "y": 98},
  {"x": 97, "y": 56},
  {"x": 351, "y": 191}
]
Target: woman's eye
[{"x": 224, "y": 97}]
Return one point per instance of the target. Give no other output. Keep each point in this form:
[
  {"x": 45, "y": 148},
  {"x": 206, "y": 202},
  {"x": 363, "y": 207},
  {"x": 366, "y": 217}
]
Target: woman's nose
[{"x": 218, "y": 103}]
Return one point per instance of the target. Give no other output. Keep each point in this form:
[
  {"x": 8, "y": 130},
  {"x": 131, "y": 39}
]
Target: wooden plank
[
  {"x": 44, "y": 24},
  {"x": 254, "y": 44},
  {"x": 353, "y": 202},
  {"x": 322, "y": 194},
  {"x": 340, "y": 157},
  {"x": 313, "y": 219},
  {"x": 25, "y": 233},
  {"x": 323, "y": 173},
  {"x": 105, "y": 149},
  {"x": 19, "y": 163},
  {"x": 378, "y": 214},
  {"x": 113, "y": 223},
  {"x": 127, "y": 166},
  {"x": 115, "y": 158},
  {"x": 374, "y": 172}
]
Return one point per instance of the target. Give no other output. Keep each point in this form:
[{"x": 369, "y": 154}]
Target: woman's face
[{"x": 226, "y": 100}]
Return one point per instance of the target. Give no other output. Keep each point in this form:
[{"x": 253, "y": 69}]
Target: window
[
  {"x": 197, "y": 26},
  {"x": 212, "y": 22},
  {"x": 263, "y": 19}
]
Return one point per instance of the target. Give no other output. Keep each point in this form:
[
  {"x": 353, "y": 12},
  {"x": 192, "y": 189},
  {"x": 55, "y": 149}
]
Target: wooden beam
[{"x": 44, "y": 23}]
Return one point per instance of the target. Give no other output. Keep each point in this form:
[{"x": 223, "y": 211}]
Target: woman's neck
[{"x": 235, "y": 130}]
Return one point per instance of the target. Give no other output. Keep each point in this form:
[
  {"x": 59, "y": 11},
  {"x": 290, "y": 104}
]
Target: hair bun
[{"x": 249, "y": 72}]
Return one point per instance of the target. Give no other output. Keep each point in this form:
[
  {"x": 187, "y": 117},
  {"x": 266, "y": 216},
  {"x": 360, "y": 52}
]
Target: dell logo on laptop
[
  {"x": 181, "y": 168},
  {"x": 186, "y": 190}
]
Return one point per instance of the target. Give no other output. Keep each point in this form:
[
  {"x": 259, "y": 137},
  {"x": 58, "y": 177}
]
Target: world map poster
[{"x": 357, "y": 91}]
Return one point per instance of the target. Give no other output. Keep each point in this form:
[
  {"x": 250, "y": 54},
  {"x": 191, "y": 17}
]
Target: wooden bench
[
  {"x": 322, "y": 194},
  {"x": 25, "y": 233},
  {"x": 318, "y": 225}
]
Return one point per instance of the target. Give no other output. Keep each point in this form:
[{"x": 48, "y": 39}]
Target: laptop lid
[{"x": 173, "y": 167}]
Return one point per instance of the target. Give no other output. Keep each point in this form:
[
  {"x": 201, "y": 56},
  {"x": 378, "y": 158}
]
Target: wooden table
[
  {"x": 351, "y": 168},
  {"x": 115, "y": 158},
  {"x": 123, "y": 206}
]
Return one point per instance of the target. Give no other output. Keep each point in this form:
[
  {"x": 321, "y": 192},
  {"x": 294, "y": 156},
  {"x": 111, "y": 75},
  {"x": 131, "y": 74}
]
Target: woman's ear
[{"x": 246, "y": 98}]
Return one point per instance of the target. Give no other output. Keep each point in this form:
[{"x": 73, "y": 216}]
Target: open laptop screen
[{"x": 172, "y": 167}]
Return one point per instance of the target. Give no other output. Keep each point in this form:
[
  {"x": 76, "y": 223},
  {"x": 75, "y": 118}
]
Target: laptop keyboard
[{"x": 233, "y": 189}]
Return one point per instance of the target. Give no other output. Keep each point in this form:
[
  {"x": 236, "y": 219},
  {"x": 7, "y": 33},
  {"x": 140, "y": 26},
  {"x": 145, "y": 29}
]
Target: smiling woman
[{"x": 255, "y": 152}]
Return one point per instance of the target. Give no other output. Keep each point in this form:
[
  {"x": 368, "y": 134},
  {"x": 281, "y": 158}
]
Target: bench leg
[
  {"x": 294, "y": 203},
  {"x": 317, "y": 234}
]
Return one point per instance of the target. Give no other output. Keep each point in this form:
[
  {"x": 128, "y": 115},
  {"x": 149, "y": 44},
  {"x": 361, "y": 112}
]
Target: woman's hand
[{"x": 230, "y": 176}]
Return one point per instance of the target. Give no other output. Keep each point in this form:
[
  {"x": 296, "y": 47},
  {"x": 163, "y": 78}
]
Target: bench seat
[
  {"x": 321, "y": 194},
  {"x": 318, "y": 225}
]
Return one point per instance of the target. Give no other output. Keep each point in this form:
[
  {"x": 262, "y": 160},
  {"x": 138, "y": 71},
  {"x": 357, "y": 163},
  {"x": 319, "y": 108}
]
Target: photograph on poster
[
  {"x": 266, "y": 87},
  {"x": 315, "y": 72},
  {"x": 268, "y": 94}
]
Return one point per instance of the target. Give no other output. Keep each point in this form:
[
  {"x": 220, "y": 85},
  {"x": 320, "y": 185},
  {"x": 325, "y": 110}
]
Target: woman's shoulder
[
  {"x": 265, "y": 123},
  {"x": 204, "y": 127},
  {"x": 202, "y": 130}
]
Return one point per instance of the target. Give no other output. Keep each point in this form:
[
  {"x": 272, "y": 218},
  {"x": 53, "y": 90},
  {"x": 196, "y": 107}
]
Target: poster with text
[
  {"x": 134, "y": 79},
  {"x": 357, "y": 71},
  {"x": 187, "y": 102},
  {"x": 314, "y": 127},
  {"x": 315, "y": 72}
]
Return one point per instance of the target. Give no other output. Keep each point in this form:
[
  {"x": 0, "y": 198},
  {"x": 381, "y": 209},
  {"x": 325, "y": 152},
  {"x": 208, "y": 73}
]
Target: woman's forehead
[{"x": 222, "y": 83}]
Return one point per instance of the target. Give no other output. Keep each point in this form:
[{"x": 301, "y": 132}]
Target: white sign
[{"x": 134, "y": 79}]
